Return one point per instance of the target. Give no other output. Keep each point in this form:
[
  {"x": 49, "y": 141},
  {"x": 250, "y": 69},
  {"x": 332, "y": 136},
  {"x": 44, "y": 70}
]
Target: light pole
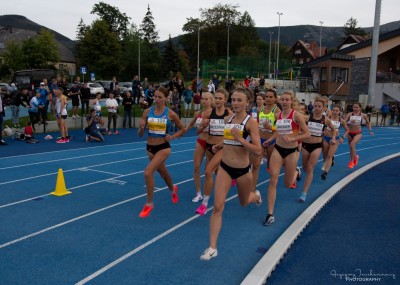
[
  {"x": 227, "y": 54},
  {"x": 198, "y": 53},
  {"x": 139, "y": 55},
  {"x": 320, "y": 39},
  {"x": 270, "y": 47},
  {"x": 279, "y": 33}
]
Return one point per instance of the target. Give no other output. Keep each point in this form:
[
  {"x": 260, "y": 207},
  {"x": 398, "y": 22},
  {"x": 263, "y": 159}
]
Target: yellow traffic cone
[{"x": 61, "y": 189}]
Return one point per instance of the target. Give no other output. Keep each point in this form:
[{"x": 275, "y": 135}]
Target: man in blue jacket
[{"x": 42, "y": 101}]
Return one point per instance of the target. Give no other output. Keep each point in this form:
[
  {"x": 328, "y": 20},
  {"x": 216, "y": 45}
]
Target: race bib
[
  {"x": 217, "y": 127},
  {"x": 229, "y": 139},
  {"x": 316, "y": 129},
  {"x": 284, "y": 126},
  {"x": 157, "y": 126}
]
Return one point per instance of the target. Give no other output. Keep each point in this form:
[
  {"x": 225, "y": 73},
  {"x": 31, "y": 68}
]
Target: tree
[
  {"x": 118, "y": 22},
  {"x": 170, "y": 58},
  {"x": 350, "y": 28},
  {"x": 100, "y": 50},
  {"x": 40, "y": 51},
  {"x": 12, "y": 56},
  {"x": 148, "y": 27}
]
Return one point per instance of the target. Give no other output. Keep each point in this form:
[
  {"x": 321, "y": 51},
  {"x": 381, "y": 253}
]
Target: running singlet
[
  {"x": 263, "y": 118},
  {"x": 355, "y": 120},
  {"x": 62, "y": 112},
  {"x": 217, "y": 123},
  {"x": 158, "y": 124},
  {"x": 229, "y": 138},
  {"x": 316, "y": 127},
  {"x": 286, "y": 126},
  {"x": 336, "y": 124},
  {"x": 198, "y": 123}
]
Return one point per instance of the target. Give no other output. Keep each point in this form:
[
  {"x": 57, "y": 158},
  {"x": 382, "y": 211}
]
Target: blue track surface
[{"x": 95, "y": 234}]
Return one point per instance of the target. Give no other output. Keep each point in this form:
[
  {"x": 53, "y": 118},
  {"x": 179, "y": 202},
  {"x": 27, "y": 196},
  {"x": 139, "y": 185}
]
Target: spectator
[
  {"x": 74, "y": 95},
  {"x": 310, "y": 108},
  {"x": 384, "y": 111},
  {"x": 33, "y": 111},
  {"x": 211, "y": 87},
  {"x": 113, "y": 84},
  {"x": 262, "y": 82},
  {"x": 187, "y": 96},
  {"x": 18, "y": 98},
  {"x": 199, "y": 86},
  {"x": 247, "y": 82},
  {"x": 136, "y": 89},
  {"x": 215, "y": 81},
  {"x": 53, "y": 97},
  {"x": 42, "y": 105},
  {"x": 112, "y": 107},
  {"x": 127, "y": 102},
  {"x": 96, "y": 104},
  {"x": 393, "y": 111},
  {"x": 149, "y": 96},
  {"x": 93, "y": 128},
  {"x": 196, "y": 101},
  {"x": 2, "y": 115},
  {"x": 176, "y": 102},
  {"x": 28, "y": 131},
  {"x": 368, "y": 111},
  {"x": 47, "y": 99},
  {"x": 85, "y": 97}
]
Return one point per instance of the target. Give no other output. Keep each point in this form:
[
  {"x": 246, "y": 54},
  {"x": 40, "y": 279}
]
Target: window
[
  {"x": 301, "y": 61},
  {"x": 297, "y": 51},
  {"x": 323, "y": 74},
  {"x": 339, "y": 74}
]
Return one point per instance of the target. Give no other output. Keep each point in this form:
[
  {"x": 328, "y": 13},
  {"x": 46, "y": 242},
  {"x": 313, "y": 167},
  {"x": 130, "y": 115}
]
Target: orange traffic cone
[{"x": 61, "y": 189}]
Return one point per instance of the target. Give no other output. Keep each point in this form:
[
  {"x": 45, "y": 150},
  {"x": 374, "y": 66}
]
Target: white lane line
[
  {"x": 91, "y": 166},
  {"x": 88, "y": 184},
  {"x": 263, "y": 269},
  {"x": 83, "y": 216},
  {"x": 85, "y": 169}
]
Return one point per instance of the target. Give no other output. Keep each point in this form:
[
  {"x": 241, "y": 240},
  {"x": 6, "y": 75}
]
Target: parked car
[
  {"x": 106, "y": 86},
  {"x": 123, "y": 86},
  {"x": 95, "y": 88}
]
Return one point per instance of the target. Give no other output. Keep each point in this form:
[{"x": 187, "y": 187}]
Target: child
[{"x": 28, "y": 131}]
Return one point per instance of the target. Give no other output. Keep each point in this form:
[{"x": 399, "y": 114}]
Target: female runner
[
  {"x": 312, "y": 146},
  {"x": 286, "y": 151},
  {"x": 330, "y": 149},
  {"x": 207, "y": 102},
  {"x": 235, "y": 164},
  {"x": 61, "y": 114},
  {"x": 354, "y": 120},
  {"x": 158, "y": 118},
  {"x": 214, "y": 119}
]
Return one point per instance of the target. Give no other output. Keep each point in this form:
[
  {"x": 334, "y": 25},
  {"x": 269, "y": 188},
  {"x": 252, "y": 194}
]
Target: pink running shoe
[
  {"x": 202, "y": 209},
  {"x": 61, "y": 141},
  {"x": 146, "y": 211},
  {"x": 175, "y": 195}
]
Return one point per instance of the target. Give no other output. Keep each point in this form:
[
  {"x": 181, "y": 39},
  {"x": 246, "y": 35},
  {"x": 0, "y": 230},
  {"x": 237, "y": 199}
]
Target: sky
[{"x": 170, "y": 16}]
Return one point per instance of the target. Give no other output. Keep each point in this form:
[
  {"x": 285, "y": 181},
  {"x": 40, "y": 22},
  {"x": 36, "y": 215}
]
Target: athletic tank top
[
  {"x": 158, "y": 124},
  {"x": 263, "y": 118},
  {"x": 228, "y": 138},
  {"x": 217, "y": 123},
  {"x": 97, "y": 106},
  {"x": 316, "y": 127},
  {"x": 58, "y": 107},
  {"x": 286, "y": 126},
  {"x": 336, "y": 124},
  {"x": 198, "y": 122},
  {"x": 355, "y": 120}
]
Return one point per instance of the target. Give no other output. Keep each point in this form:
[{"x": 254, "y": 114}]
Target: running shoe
[
  {"x": 293, "y": 186},
  {"x": 146, "y": 210},
  {"x": 116, "y": 133},
  {"x": 350, "y": 165},
  {"x": 67, "y": 140},
  {"x": 323, "y": 175},
  {"x": 333, "y": 161},
  {"x": 303, "y": 197},
  {"x": 233, "y": 182},
  {"x": 323, "y": 166},
  {"x": 61, "y": 140},
  {"x": 269, "y": 219},
  {"x": 298, "y": 173},
  {"x": 202, "y": 209},
  {"x": 175, "y": 195},
  {"x": 197, "y": 198},
  {"x": 209, "y": 253},
  {"x": 110, "y": 133},
  {"x": 356, "y": 160},
  {"x": 259, "y": 201}
]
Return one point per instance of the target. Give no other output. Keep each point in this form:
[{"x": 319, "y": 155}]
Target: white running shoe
[
  {"x": 197, "y": 198},
  {"x": 209, "y": 253},
  {"x": 259, "y": 201}
]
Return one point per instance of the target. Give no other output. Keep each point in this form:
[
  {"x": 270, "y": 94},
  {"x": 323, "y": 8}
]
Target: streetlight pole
[
  {"x": 270, "y": 47},
  {"x": 227, "y": 54},
  {"x": 198, "y": 53},
  {"x": 279, "y": 33},
  {"x": 320, "y": 39},
  {"x": 139, "y": 55}
]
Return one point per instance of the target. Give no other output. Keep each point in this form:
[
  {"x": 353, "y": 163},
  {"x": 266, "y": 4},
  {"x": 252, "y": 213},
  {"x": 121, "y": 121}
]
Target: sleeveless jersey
[
  {"x": 228, "y": 137},
  {"x": 158, "y": 125},
  {"x": 198, "y": 123},
  {"x": 217, "y": 123},
  {"x": 316, "y": 127},
  {"x": 286, "y": 126},
  {"x": 263, "y": 118},
  {"x": 355, "y": 120}
]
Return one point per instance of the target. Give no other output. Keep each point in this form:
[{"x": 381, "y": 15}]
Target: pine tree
[
  {"x": 170, "y": 58},
  {"x": 149, "y": 28}
]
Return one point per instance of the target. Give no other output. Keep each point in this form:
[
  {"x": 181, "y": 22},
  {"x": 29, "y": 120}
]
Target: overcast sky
[{"x": 169, "y": 16}]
